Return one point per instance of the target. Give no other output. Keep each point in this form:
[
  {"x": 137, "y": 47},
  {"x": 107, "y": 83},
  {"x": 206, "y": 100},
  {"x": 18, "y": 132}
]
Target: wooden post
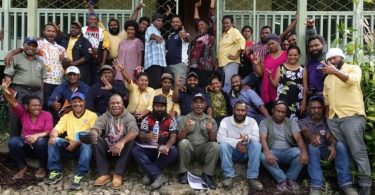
[
  {"x": 32, "y": 17},
  {"x": 300, "y": 28},
  {"x": 358, "y": 14}
]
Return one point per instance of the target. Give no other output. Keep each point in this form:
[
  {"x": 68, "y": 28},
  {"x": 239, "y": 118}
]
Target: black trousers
[{"x": 102, "y": 157}]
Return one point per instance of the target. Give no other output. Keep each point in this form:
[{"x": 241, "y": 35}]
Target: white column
[
  {"x": 32, "y": 17},
  {"x": 300, "y": 28},
  {"x": 358, "y": 14},
  {"x": 6, "y": 4}
]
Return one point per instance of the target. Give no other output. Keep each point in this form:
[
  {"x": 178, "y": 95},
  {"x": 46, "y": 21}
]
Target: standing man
[
  {"x": 154, "y": 160},
  {"x": 112, "y": 138},
  {"x": 238, "y": 137},
  {"x": 280, "y": 137},
  {"x": 26, "y": 72},
  {"x": 346, "y": 116},
  {"x": 115, "y": 37},
  {"x": 79, "y": 52},
  {"x": 322, "y": 145},
  {"x": 143, "y": 21},
  {"x": 177, "y": 47},
  {"x": 231, "y": 45},
  {"x": 197, "y": 140},
  {"x": 154, "y": 63}
]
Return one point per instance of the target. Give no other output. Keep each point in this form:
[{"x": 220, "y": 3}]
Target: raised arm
[
  {"x": 275, "y": 81},
  {"x": 121, "y": 68},
  {"x": 136, "y": 10},
  {"x": 289, "y": 29},
  {"x": 7, "y": 94}
]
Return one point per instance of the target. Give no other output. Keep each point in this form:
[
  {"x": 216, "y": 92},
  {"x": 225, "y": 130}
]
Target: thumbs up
[{"x": 182, "y": 34}]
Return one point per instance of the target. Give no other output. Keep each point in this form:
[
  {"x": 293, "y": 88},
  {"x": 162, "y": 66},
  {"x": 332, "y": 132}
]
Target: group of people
[{"x": 115, "y": 95}]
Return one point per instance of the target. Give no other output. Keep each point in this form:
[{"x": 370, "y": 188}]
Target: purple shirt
[
  {"x": 316, "y": 76},
  {"x": 43, "y": 122}
]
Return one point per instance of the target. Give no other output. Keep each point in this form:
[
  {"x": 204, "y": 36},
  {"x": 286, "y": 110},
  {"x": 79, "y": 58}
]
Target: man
[
  {"x": 26, "y": 72},
  {"x": 154, "y": 61},
  {"x": 143, "y": 22},
  {"x": 346, "y": 111},
  {"x": 238, "y": 137},
  {"x": 197, "y": 140},
  {"x": 59, "y": 101},
  {"x": 99, "y": 94},
  {"x": 173, "y": 109},
  {"x": 100, "y": 42},
  {"x": 292, "y": 39},
  {"x": 112, "y": 138},
  {"x": 250, "y": 97},
  {"x": 77, "y": 121},
  {"x": 185, "y": 97},
  {"x": 231, "y": 46},
  {"x": 154, "y": 160},
  {"x": 115, "y": 37},
  {"x": 322, "y": 145},
  {"x": 79, "y": 51},
  {"x": 177, "y": 46},
  {"x": 279, "y": 137}
]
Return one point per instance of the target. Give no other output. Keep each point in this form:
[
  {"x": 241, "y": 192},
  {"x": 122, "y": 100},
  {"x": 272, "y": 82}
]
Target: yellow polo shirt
[
  {"x": 69, "y": 49},
  {"x": 344, "y": 98},
  {"x": 171, "y": 106},
  {"x": 139, "y": 101},
  {"x": 114, "y": 43},
  {"x": 230, "y": 42},
  {"x": 73, "y": 125}
]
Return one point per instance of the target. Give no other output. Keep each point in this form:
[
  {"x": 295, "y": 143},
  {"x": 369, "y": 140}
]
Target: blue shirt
[
  {"x": 186, "y": 98},
  {"x": 176, "y": 49},
  {"x": 63, "y": 93},
  {"x": 249, "y": 96},
  {"x": 320, "y": 127},
  {"x": 154, "y": 51}
]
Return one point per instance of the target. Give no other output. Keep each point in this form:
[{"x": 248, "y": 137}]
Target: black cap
[
  {"x": 156, "y": 16},
  {"x": 30, "y": 40},
  {"x": 199, "y": 96},
  {"x": 192, "y": 74},
  {"x": 160, "y": 99}
]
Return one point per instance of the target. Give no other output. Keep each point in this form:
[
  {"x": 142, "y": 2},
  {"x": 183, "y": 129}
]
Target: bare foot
[
  {"x": 41, "y": 173},
  {"x": 20, "y": 174}
]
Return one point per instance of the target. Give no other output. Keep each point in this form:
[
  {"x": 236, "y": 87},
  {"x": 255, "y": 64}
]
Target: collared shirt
[
  {"x": 176, "y": 49},
  {"x": 315, "y": 76},
  {"x": 166, "y": 127},
  {"x": 171, "y": 106},
  {"x": 198, "y": 133},
  {"x": 154, "y": 51},
  {"x": 320, "y": 127},
  {"x": 139, "y": 101},
  {"x": 71, "y": 125},
  {"x": 186, "y": 98},
  {"x": 26, "y": 72},
  {"x": 114, "y": 44},
  {"x": 230, "y": 131},
  {"x": 250, "y": 97},
  {"x": 62, "y": 93},
  {"x": 50, "y": 54},
  {"x": 344, "y": 98},
  {"x": 260, "y": 48},
  {"x": 42, "y": 123},
  {"x": 230, "y": 42},
  {"x": 71, "y": 43}
]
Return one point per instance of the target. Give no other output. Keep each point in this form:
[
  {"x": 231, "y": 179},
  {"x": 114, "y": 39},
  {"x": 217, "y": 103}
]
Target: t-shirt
[
  {"x": 280, "y": 139},
  {"x": 219, "y": 106}
]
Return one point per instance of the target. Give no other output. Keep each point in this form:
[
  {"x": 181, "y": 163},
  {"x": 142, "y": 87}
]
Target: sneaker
[
  {"x": 77, "y": 182},
  {"x": 350, "y": 191},
  {"x": 209, "y": 181},
  {"x": 158, "y": 182},
  {"x": 256, "y": 184},
  {"x": 228, "y": 182},
  {"x": 146, "y": 180},
  {"x": 53, "y": 177},
  {"x": 315, "y": 191},
  {"x": 183, "y": 178},
  {"x": 283, "y": 186},
  {"x": 293, "y": 185}
]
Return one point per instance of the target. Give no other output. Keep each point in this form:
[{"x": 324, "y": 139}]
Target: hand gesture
[
  {"x": 159, "y": 39},
  {"x": 138, "y": 69},
  {"x": 332, "y": 153},
  {"x": 31, "y": 139},
  {"x": 269, "y": 73},
  {"x": 5, "y": 85},
  {"x": 73, "y": 145},
  {"x": 56, "y": 105},
  {"x": 242, "y": 147},
  {"x": 244, "y": 138},
  {"x": 315, "y": 140},
  {"x": 310, "y": 23},
  {"x": 107, "y": 84},
  {"x": 209, "y": 125},
  {"x": 182, "y": 34},
  {"x": 255, "y": 58},
  {"x": 328, "y": 68},
  {"x": 164, "y": 150},
  {"x": 116, "y": 149},
  {"x": 188, "y": 122},
  {"x": 169, "y": 10},
  {"x": 198, "y": 4},
  {"x": 271, "y": 159},
  {"x": 118, "y": 66},
  {"x": 140, "y": 5}
]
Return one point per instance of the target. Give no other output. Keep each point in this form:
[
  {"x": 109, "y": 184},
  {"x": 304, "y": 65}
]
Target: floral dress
[{"x": 290, "y": 90}]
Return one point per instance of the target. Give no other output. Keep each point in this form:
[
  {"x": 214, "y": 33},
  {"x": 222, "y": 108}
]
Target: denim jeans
[
  {"x": 252, "y": 81},
  {"x": 228, "y": 154},
  {"x": 83, "y": 153},
  {"x": 19, "y": 150},
  {"x": 288, "y": 156},
  {"x": 349, "y": 131},
  {"x": 344, "y": 176},
  {"x": 227, "y": 72}
]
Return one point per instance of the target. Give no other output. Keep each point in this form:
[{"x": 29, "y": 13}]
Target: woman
[
  {"x": 36, "y": 125},
  {"x": 201, "y": 48},
  {"x": 130, "y": 51},
  {"x": 220, "y": 100},
  {"x": 291, "y": 83},
  {"x": 268, "y": 67}
]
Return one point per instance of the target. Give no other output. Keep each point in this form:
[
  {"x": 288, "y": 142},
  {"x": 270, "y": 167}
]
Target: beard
[
  {"x": 114, "y": 31},
  {"x": 316, "y": 56},
  {"x": 239, "y": 119},
  {"x": 159, "y": 115},
  {"x": 339, "y": 64},
  {"x": 191, "y": 87}
]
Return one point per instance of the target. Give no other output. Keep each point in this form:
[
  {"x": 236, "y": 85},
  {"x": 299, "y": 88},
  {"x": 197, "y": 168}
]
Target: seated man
[
  {"x": 238, "y": 137},
  {"x": 322, "y": 145},
  {"x": 76, "y": 121},
  {"x": 279, "y": 137},
  {"x": 99, "y": 94},
  {"x": 197, "y": 139},
  {"x": 253, "y": 101},
  {"x": 173, "y": 109},
  {"x": 154, "y": 160},
  {"x": 59, "y": 100},
  {"x": 112, "y": 138}
]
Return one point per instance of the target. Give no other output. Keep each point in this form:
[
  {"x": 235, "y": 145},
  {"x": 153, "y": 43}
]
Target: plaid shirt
[{"x": 154, "y": 52}]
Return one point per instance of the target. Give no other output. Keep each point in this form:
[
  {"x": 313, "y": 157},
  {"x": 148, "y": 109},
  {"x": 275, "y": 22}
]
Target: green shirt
[
  {"x": 219, "y": 104},
  {"x": 25, "y": 71},
  {"x": 198, "y": 133}
]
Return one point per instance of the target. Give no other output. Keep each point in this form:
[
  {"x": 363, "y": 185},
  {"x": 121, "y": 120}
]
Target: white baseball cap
[
  {"x": 335, "y": 52},
  {"x": 72, "y": 69}
]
